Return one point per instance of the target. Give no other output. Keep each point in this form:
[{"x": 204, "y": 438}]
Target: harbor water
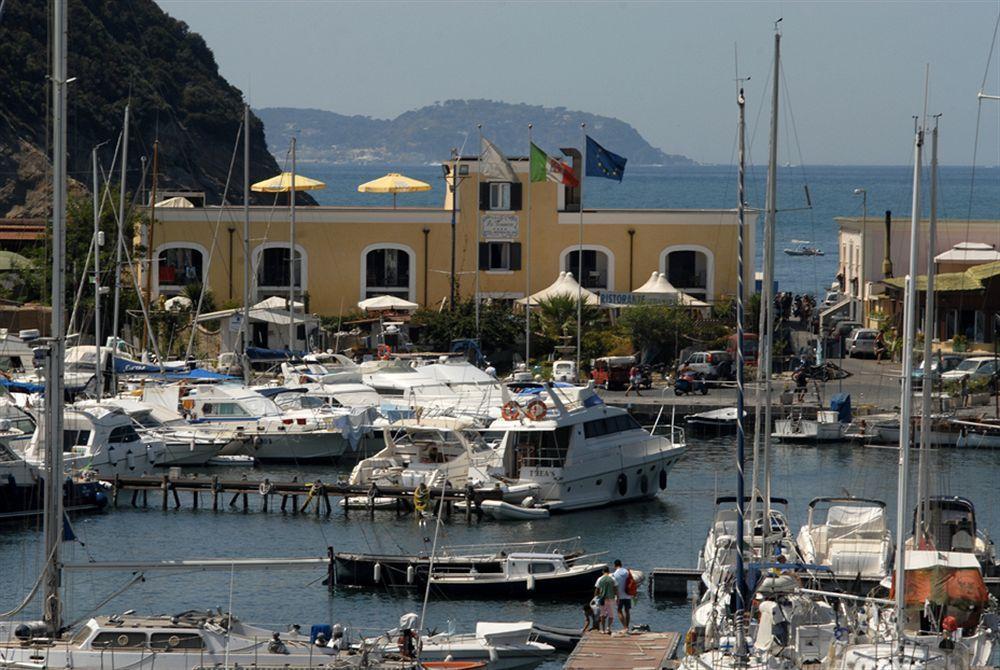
[{"x": 665, "y": 532}]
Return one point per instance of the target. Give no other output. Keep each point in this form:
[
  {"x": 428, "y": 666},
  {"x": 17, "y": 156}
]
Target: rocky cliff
[{"x": 119, "y": 52}]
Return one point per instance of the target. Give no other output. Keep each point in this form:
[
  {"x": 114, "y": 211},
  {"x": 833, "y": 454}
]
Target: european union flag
[{"x": 603, "y": 163}]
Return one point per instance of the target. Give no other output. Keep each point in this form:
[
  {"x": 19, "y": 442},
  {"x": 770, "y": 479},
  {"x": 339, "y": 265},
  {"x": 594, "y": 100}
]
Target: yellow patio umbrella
[
  {"x": 394, "y": 183},
  {"x": 282, "y": 183}
]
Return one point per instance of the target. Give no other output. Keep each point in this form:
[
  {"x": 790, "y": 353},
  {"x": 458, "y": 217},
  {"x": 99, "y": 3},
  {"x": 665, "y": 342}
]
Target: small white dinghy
[
  {"x": 364, "y": 502},
  {"x": 505, "y": 510}
]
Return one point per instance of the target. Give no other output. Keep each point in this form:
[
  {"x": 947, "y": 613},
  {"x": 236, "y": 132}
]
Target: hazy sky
[{"x": 854, "y": 70}]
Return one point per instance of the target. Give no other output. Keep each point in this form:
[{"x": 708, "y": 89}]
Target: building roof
[
  {"x": 969, "y": 252},
  {"x": 971, "y": 280}
]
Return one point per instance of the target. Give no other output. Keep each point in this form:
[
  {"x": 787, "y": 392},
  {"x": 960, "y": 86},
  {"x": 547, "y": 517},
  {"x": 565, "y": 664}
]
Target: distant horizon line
[{"x": 655, "y": 165}]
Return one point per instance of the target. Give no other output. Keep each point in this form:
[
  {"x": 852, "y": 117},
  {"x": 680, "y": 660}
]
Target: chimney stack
[{"x": 887, "y": 261}]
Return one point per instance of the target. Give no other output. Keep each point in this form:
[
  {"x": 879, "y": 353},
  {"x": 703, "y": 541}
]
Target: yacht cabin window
[
  {"x": 119, "y": 640},
  {"x": 609, "y": 425},
  {"x": 75, "y": 438},
  {"x": 222, "y": 409},
  {"x": 542, "y": 448},
  {"x": 172, "y": 641},
  {"x": 540, "y": 568},
  {"x": 123, "y": 435}
]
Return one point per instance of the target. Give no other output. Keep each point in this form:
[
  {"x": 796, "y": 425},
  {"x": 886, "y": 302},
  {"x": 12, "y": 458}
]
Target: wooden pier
[
  {"x": 648, "y": 651},
  {"x": 295, "y": 497}
]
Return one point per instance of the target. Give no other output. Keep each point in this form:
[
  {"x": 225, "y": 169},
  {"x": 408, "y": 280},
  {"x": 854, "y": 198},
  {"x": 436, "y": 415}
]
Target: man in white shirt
[{"x": 620, "y": 576}]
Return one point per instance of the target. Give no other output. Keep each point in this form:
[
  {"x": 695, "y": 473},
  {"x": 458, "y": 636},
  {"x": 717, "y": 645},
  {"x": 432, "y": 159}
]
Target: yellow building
[{"x": 346, "y": 254}]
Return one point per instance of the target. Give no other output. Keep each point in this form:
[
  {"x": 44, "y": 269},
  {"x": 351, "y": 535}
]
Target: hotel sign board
[
  {"x": 617, "y": 299},
  {"x": 499, "y": 227}
]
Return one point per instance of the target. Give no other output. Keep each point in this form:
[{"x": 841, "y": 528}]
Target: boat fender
[
  {"x": 622, "y": 484},
  {"x": 265, "y": 487},
  {"x": 377, "y": 573},
  {"x": 130, "y": 459},
  {"x": 256, "y": 441},
  {"x": 530, "y": 582},
  {"x": 536, "y": 410},
  {"x": 644, "y": 484},
  {"x": 411, "y": 574},
  {"x": 528, "y": 502},
  {"x": 663, "y": 479},
  {"x": 494, "y": 656},
  {"x": 510, "y": 411}
]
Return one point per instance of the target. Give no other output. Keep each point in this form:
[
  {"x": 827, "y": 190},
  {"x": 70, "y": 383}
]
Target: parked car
[
  {"x": 564, "y": 371},
  {"x": 831, "y": 299},
  {"x": 940, "y": 364},
  {"x": 861, "y": 342},
  {"x": 710, "y": 364},
  {"x": 975, "y": 368}
]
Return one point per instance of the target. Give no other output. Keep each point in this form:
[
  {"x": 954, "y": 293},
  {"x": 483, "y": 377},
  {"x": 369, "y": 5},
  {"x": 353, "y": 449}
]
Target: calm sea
[
  {"x": 665, "y": 532},
  {"x": 830, "y": 188}
]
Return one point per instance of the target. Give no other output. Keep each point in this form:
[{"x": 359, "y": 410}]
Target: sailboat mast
[
  {"x": 246, "y": 244},
  {"x": 118, "y": 253},
  {"x": 767, "y": 297},
  {"x": 741, "y": 647},
  {"x": 98, "y": 368},
  {"x": 53, "y": 520},
  {"x": 906, "y": 396},
  {"x": 927, "y": 386},
  {"x": 291, "y": 258}
]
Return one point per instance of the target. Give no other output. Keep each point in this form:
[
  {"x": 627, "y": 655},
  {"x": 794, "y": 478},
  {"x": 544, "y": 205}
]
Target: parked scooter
[{"x": 690, "y": 382}]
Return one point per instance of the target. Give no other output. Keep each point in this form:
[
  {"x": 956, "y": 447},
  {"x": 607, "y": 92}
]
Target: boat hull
[
  {"x": 577, "y": 585},
  {"x": 807, "y": 430}
]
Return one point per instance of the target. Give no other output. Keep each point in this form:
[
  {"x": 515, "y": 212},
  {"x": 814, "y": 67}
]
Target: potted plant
[{"x": 959, "y": 343}]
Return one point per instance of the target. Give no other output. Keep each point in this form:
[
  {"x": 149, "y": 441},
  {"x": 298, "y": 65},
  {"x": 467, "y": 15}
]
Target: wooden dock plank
[{"x": 638, "y": 651}]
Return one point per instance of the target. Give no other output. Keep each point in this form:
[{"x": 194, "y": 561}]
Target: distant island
[{"x": 428, "y": 134}]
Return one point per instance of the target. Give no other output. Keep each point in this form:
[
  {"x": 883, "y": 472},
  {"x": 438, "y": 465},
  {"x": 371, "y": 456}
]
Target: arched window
[
  {"x": 598, "y": 266},
  {"x": 271, "y": 269},
  {"x": 690, "y": 269},
  {"x": 178, "y": 264},
  {"x": 386, "y": 269}
]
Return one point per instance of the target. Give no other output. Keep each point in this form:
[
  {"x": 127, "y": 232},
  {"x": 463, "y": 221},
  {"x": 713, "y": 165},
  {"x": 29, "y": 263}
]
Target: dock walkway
[
  {"x": 288, "y": 496},
  {"x": 645, "y": 651}
]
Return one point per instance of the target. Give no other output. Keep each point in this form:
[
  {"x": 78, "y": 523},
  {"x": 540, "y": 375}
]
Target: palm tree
[{"x": 557, "y": 317}]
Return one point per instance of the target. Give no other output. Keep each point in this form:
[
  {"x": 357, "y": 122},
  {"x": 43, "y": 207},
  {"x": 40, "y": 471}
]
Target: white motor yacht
[
  {"x": 321, "y": 368},
  {"x": 430, "y": 451},
  {"x": 182, "y": 444},
  {"x": 101, "y": 440},
  {"x": 849, "y": 536},
  {"x": 456, "y": 388},
  {"x": 500, "y": 645},
  {"x": 256, "y": 426},
  {"x": 826, "y": 427},
  {"x": 574, "y": 452}
]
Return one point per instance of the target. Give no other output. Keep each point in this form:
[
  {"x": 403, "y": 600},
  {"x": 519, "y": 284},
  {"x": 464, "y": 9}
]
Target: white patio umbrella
[
  {"x": 564, "y": 285},
  {"x": 658, "y": 285},
  {"x": 387, "y": 302}
]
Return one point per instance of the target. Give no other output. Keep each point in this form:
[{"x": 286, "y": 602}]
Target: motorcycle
[{"x": 690, "y": 382}]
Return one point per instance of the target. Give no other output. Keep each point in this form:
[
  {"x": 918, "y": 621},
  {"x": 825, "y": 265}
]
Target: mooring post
[
  {"x": 177, "y": 498},
  {"x": 114, "y": 491},
  {"x": 145, "y": 497},
  {"x": 165, "y": 488},
  {"x": 326, "y": 502},
  {"x": 331, "y": 570},
  {"x": 215, "y": 493},
  {"x": 246, "y": 501},
  {"x": 194, "y": 498},
  {"x": 135, "y": 497}
]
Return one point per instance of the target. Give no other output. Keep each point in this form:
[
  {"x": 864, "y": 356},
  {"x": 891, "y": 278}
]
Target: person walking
[
  {"x": 622, "y": 578},
  {"x": 605, "y": 591},
  {"x": 634, "y": 379}
]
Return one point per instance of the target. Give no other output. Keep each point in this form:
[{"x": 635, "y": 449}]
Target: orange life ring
[
  {"x": 384, "y": 352},
  {"x": 510, "y": 411},
  {"x": 536, "y": 410}
]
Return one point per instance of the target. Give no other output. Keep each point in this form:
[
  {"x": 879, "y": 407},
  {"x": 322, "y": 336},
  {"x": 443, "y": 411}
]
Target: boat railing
[
  {"x": 674, "y": 433},
  {"x": 559, "y": 546},
  {"x": 542, "y": 462}
]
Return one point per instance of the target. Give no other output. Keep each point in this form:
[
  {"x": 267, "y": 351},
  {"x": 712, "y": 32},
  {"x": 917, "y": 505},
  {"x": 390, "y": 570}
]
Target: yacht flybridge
[
  {"x": 571, "y": 451},
  {"x": 849, "y": 536}
]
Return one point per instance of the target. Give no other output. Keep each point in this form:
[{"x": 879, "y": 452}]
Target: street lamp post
[{"x": 861, "y": 260}]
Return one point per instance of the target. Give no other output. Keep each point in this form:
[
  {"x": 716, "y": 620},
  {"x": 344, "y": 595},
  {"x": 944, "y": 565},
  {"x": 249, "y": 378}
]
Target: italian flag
[{"x": 544, "y": 167}]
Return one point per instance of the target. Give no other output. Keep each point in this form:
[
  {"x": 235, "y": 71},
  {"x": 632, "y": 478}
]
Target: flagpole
[
  {"x": 479, "y": 126},
  {"x": 579, "y": 256},
  {"x": 527, "y": 268}
]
